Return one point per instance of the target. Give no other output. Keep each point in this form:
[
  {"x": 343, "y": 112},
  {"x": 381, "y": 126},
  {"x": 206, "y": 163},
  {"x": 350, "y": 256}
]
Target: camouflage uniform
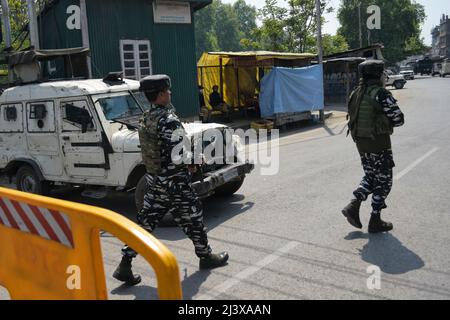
[
  {"x": 373, "y": 115},
  {"x": 169, "y": 185},
  {"x": 378, "y": 165}
]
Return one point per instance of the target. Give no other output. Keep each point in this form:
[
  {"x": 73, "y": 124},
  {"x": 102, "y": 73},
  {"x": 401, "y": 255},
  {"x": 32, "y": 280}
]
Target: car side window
[
  {"x": 75, "y": 115},
  {"x": 40, "y": 117}
]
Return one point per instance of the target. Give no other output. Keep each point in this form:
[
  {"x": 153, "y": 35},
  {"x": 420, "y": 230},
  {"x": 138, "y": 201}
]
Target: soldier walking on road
[
  {"x": 169, "y": 184},
  {"x": 373, "y": 114}
]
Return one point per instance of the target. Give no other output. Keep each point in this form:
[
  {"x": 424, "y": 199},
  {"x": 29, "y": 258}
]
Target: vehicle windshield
[
  {"x": 142, "y": 100},
  {"x": 119, "y": 106},
  {"x": 406, "y": 69}
]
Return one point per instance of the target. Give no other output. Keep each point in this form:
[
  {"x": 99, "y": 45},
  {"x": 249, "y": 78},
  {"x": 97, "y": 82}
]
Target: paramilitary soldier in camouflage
[
  {"x": 169, "y": 185},
  {"x": 373, "y": 114}
]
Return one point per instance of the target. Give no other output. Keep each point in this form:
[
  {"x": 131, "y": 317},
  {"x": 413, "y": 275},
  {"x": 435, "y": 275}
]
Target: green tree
[
  {"x": 273, "y": 35},
  {"x": 246, "y": 15},
  {"x": 19, "y": 20},
  {"x": 248, "y": 29},
  {"x": 225, "y": 27},
  {"x": 290, "y": 29},
  {"x": 334, "y": 44},
  {"x": 401, "y": 22}
]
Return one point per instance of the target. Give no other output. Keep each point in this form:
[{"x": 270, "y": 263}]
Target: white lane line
[
  {"x": 399, "y": 175},
  {"x": 213, "y": 293}
]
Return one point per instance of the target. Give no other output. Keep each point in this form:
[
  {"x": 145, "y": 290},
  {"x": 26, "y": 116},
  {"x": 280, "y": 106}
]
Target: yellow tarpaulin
[
  {"x": 240, "y": 76},
  {"x": 209, "y": 75}
]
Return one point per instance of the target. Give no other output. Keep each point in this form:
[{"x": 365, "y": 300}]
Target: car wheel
[
  {"x": 27, "y": 180},
  {"x": 139, "y": 194},
  {"x": 230, "y": 188},
  {"x": 399, "y": 85}
]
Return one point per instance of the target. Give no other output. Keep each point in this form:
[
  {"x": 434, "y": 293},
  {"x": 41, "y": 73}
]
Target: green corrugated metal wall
[
  {"x": 109, "y": 21},
  {"x": 54, "y": 33}
]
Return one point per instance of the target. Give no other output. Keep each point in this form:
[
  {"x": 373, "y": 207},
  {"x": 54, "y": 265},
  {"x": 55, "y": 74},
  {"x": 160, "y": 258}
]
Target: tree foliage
[
  {"x": 291, "y": 29},
  {"x": 401, "y": 22},
  {"x": 225, "y": 27},
  {"x": 229, "y": 27},
  {"x": 334, "y": 44}
]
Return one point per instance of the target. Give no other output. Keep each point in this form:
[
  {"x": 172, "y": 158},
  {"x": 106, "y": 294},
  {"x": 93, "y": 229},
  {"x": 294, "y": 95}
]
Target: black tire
[
  {"x": 230, "y": 188},
  {"x": 141, "y": 190},
  {"x": 399, "y": 85},
  {"x": 27, "y": 180}
]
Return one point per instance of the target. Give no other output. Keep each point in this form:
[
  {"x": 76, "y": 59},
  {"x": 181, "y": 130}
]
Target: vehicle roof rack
[{"x": 27, "y": 68}]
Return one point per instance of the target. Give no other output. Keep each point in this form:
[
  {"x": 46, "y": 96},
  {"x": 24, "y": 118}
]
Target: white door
[
  {"x": 42, "y": 138},
  {"x": 82, "y": 141}
]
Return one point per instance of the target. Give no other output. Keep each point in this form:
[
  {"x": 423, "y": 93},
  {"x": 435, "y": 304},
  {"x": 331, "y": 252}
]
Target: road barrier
[{"x": 50, "y": 249}]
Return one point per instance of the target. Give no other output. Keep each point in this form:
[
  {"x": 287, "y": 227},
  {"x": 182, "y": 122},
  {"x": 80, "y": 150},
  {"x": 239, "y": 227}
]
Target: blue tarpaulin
[{"x": 286, "y": 90}]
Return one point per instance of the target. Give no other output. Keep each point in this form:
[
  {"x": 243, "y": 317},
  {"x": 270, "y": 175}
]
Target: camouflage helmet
[
  {"x": 371, "y": 69},
  {"x": 155, "y": 83}
]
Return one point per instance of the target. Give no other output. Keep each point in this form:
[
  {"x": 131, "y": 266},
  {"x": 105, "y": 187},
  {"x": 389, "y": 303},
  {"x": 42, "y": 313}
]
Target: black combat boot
[
  {"x": 214, "y": 260},
  {"x": 351, "y": 212},
  {"x": 125, "y": 274},
  {"x": 376, "y": 225}
]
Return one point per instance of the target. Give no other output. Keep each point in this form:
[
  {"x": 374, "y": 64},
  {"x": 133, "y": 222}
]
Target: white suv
[
  {"x": 83, "y": 132},
  {"x": 394, "y": 80},
  {"x": 407, "y": 72}
]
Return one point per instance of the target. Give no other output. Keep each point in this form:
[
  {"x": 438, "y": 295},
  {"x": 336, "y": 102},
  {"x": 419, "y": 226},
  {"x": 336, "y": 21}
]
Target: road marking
[
  {"x": 213, "y": 293},
  {"x": 414, "y": 164}
]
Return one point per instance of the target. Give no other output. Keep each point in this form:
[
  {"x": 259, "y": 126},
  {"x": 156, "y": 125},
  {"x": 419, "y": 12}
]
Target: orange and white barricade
[{"x": 50, "y": 249}]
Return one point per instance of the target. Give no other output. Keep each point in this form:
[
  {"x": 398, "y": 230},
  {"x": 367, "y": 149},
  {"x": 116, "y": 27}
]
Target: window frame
[
  {"x": 91, "y": 113},
  {"x": 136, "y": 58}
]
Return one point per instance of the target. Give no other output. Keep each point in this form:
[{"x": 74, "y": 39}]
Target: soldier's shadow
[
  {"x": 387, "y": 252},
  {"x": 190, "y": 287},
  {"x": 216, "y": 210}
]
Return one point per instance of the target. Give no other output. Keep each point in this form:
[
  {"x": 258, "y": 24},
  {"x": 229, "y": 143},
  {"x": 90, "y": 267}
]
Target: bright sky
[{"x": 433, "y": 8}]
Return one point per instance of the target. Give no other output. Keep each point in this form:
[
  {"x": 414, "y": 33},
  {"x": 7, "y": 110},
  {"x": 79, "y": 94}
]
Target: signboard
[{"x": 172, "y": 12}]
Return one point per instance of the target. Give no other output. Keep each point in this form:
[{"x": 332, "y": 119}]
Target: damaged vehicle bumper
[{"x": 215, "y": 179}]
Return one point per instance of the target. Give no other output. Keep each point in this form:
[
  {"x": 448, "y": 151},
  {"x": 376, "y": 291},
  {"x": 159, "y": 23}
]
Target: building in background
[
  {"x": 137, "y": 37},
  {"x": 435, "y": 42},
  {"x": 444, "y": 38}
]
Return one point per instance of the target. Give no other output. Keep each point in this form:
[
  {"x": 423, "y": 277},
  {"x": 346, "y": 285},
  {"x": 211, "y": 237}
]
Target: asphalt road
[{"x": 286, "y": 235}]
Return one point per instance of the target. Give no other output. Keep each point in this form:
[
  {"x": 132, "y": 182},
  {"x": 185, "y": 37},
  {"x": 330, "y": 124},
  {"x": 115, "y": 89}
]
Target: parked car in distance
[
  {"x": 407, "y": 72},
  {"x": 394, "y": 80},
  {"x": 445, "y": 69},
  {"x": 437, "y": 67}
]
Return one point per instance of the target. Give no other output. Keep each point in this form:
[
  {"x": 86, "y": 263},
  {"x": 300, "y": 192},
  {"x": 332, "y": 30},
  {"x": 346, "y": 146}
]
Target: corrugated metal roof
[{"x": 263, "y": 55}]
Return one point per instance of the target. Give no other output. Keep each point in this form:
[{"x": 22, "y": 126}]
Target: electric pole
[
  {"x": 360, "y": 27},
  {"x": 6, "y": 23},
  {"x": 8, "y": 44},
  {"x": 32, "y": 24},
  {"x": 319, "y": 46}
]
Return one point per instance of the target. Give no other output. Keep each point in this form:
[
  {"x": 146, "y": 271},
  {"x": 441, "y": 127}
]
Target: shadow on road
[
  {"x": 139, "y": 292},
  {"x": 190, "y": 286},
  {"x": 387, "y": 252},
  {"x": 216, "y": 210}
]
